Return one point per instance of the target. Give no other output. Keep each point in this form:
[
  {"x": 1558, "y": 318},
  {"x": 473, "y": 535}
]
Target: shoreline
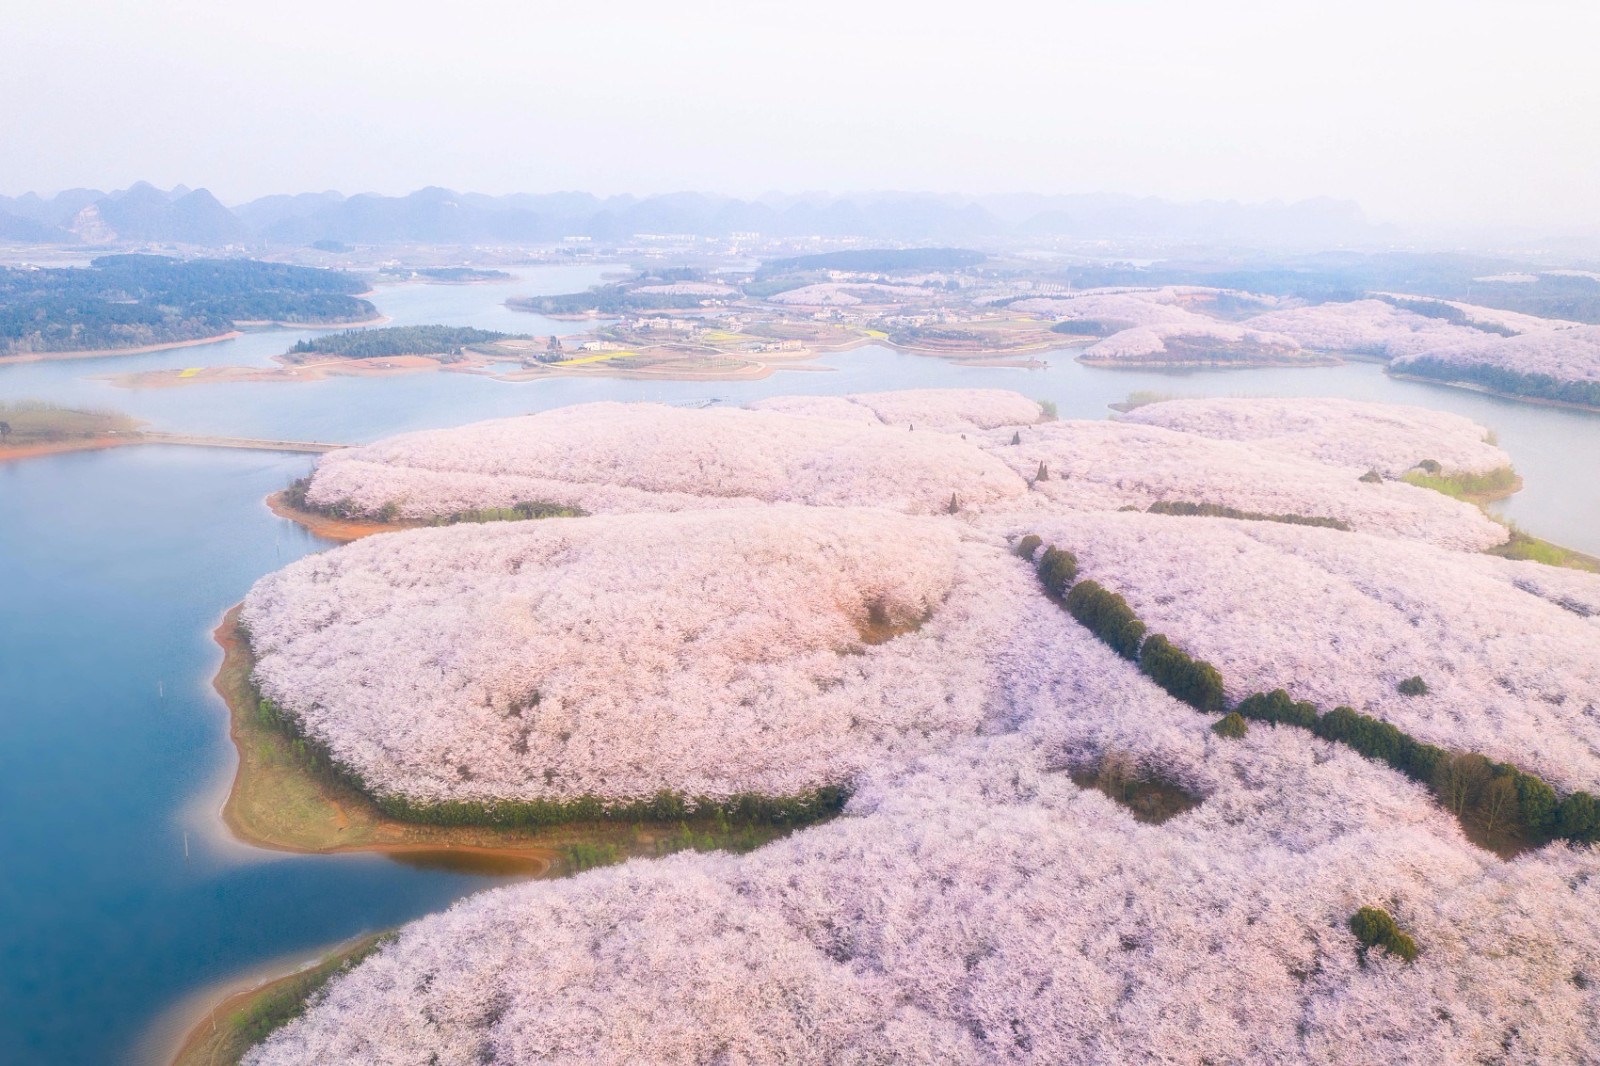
[
  {"x": 277, "y": 803},
  {"x": 96, "y": 353},
  {"x": 63, "y": 447},
  {"x": 342, "y": 530},
  {"x": 1482, "y": 499},
  {"x": 1484, "y": 390},
  {"x": 314, "y": 817},
  {"x": 751, "y": 371},
  {"x": 397, "y": 365},
  {"x": 272, "y": 323},
  {"x": 145, "y": 349},
  {"x": 1194, "y": 364},
  {"x": 201, "y": 1026},
  {"x": 230, "y": 374}
]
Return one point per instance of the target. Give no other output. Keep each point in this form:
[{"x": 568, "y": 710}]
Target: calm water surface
[{"x": 114, "y": 567}]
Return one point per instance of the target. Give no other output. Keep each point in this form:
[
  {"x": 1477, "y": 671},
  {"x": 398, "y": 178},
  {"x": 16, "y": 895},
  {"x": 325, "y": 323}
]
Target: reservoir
[{"x": 120, "y": 892}]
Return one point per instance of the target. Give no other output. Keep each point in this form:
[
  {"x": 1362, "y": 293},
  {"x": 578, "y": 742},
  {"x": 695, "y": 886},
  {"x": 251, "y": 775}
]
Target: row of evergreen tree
[
  {"x": 1501, "y": 797},
  {"x": 1216, "y": 510}
]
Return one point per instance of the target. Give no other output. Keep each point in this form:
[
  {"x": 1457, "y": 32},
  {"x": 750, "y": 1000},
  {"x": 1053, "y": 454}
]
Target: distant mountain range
[
  {"x": 145, "y": 214},
  {"x": 139, "y": 214}
]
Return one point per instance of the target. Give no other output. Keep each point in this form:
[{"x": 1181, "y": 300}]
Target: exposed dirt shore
[
  {"x": 58, "y": 447},
  {"x": 343, "y": 530},
  {"x": 210, "y": 1027}
]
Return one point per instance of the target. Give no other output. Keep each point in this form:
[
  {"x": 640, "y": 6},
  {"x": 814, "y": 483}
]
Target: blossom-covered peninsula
[
  {"x": 1388, "y": 438},
  {"x": 1375, "y": 740},
  {"x": 1508, "y": 352}
]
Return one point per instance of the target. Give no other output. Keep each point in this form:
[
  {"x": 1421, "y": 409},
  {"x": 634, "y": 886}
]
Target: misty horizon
[
  {"x": 1433, "y": 116},
  {"x": 183, "y": 215}
]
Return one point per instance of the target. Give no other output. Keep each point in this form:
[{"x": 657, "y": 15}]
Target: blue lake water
[{"x": 115, "y": 566}]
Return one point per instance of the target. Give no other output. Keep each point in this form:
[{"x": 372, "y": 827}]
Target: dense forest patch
[
  {"x": 443, "y": 341},
  {"x": 127, "y": 301}
]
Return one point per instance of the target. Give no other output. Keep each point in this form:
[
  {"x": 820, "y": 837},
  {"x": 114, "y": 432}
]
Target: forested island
[
  {"x": 122, "y": 302},
  {"x": 447, "y": 341}
]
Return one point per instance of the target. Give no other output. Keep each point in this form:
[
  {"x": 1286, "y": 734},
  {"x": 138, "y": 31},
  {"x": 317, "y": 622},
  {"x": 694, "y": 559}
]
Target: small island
[
  {"x": 375, "y": 352},
  {"x": 449, "y": 344}
]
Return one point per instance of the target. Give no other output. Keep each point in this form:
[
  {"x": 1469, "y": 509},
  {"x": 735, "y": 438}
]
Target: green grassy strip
[
  {"x": 1475, "y": 488},
  {"x": 721, "y": 836},
  {"x": 1524, "y": 547},
  {"x": 519, "y": 512},
  {"x": 1462, "y": 486}
]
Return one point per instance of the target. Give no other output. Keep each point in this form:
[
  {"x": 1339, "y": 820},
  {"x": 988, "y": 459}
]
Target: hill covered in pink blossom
[
  {"x": 708, "y": 653},
  {"x": 1350, "y": 433},
  {"x": 973, "y": 904},
  {"x": 613, "y": 457},
  {"x": 1566, "y": 355},
  {"x": 911, "y": 451},
  {"x": 1506, "y": 351}
]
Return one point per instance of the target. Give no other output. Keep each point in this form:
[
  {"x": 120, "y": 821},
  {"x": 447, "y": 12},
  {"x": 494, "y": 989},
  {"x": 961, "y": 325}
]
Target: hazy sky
[{"x": 1462, "y": 111}]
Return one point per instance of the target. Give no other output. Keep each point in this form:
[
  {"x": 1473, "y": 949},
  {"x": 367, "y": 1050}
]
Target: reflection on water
[{"x": 114, "y": 567}]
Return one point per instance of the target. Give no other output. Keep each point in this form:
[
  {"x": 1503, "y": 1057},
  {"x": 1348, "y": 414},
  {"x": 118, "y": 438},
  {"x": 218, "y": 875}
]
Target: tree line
[
  {"x": 1536, "y": 386},
  {"x": 1499, "y": 796},
  {"x": 398, "y": 340},
  {"x": 1215, "y": 510}
]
